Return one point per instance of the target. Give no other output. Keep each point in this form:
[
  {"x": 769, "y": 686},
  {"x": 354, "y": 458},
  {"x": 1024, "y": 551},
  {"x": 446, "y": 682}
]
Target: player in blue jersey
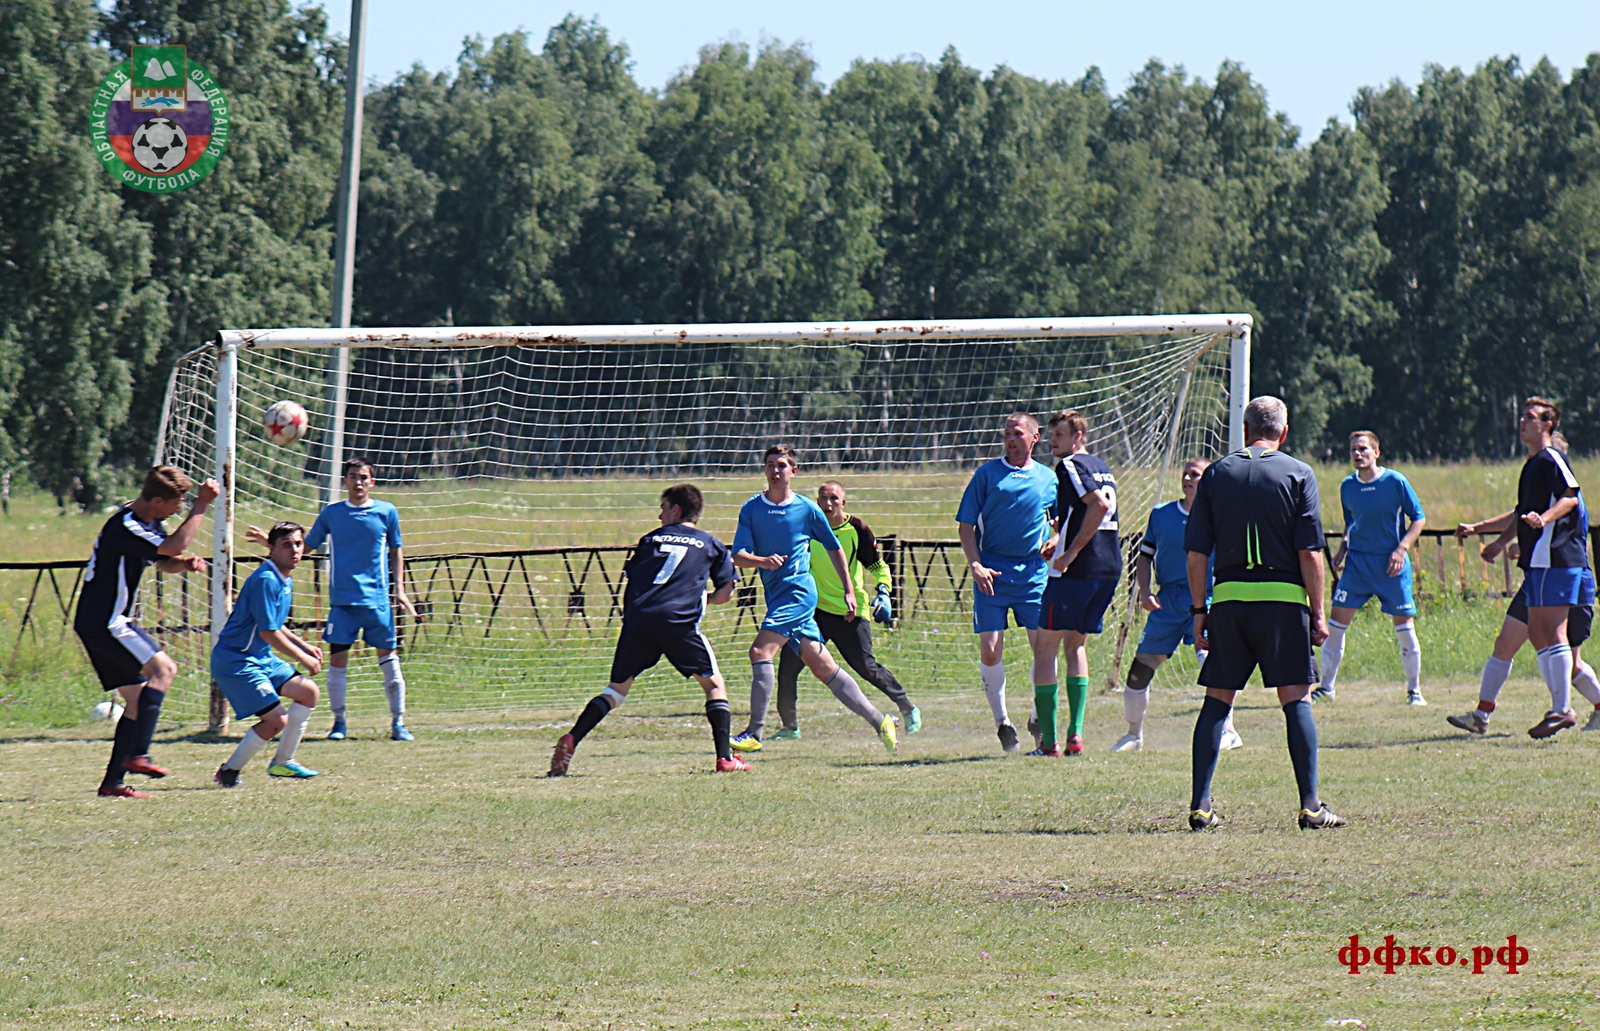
[
  {"x": 1551, "y": 521},
  {"x": 776, "y": 528},
  {"x": 1004, "y": 522},
  {"x": 125, "y": 657},
  {"x": 1372, "y": 560},
  {"x": 254, "y": 680},
  {"x": 661, "y": 609},
  {"x": 363, "y": 538},
  {"x": 1085, "y": 564},
  {"x": 1169, "y": 625}
]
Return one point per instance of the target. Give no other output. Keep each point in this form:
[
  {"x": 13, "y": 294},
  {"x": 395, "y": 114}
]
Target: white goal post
[{"x": 505, "y": 446}]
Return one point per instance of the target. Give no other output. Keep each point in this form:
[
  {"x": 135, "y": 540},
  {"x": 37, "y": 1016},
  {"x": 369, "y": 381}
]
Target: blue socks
[
  {"x": 1303, "y": 750},
  {"x": 1207, "y": 746}
]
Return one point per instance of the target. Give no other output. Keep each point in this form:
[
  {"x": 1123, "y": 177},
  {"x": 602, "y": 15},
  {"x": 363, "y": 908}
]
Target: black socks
[
  {"x": 1207, "y": 746},
  {"x": 721, "y": 719},
  {"x": 126, "y": 731},
  {"x": 590, "y": 718},
  {"x": 149, "y": 714},
  {"x": 1303, "y": 750}
]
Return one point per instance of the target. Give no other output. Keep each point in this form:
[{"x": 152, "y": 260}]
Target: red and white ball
[{"x": 285, "y": 422}]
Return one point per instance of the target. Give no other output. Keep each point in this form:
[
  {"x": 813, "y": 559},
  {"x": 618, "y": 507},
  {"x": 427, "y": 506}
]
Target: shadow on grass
[
  {"x": 921, "y": 762},
  {"x": 1403, "y": 742},
  {"x": 1074, "y": 832}
]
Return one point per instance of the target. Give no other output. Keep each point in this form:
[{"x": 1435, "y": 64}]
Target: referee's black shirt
[{"x": 1257, "y": 509}]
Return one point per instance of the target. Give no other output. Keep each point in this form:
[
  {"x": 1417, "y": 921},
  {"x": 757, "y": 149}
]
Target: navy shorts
[
  {"x": 1580, "y": 617},
  {"x": 1076, "y": 605},
  {"x": 642, "y": 645},
  {"x": 1554, "y": 587},
  {"x": 1274, "y": 635},
  {"x": 119, "y": 653}
]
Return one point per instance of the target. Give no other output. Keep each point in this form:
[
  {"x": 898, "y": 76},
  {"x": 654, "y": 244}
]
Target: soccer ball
[
  {"x": 160, "y": 144},
  {"x": 107, "y": 710},
  {"x": 285, "y": 422}
]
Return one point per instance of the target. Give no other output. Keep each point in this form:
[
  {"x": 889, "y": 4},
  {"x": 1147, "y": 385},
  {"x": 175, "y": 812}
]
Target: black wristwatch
[{"x": 1197, "y": 610}]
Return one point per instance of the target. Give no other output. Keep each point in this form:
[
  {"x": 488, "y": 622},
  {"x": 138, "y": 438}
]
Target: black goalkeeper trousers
[{"x": 854, "y": 641}]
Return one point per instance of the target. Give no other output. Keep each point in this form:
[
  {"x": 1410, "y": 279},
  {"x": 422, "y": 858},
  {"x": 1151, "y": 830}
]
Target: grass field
[{"x": 445, "y": 884}]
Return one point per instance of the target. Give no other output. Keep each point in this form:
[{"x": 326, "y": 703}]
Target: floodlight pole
[{"x": 344, "y": 248}]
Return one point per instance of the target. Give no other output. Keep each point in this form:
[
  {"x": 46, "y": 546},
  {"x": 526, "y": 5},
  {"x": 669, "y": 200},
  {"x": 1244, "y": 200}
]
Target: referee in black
[{"x": 1258, "y": 510}]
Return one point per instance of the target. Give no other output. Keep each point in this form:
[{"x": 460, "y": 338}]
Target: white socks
[
  {"x": 1495, "y": 672},
  {"x": 293, "y": 731},
  {"x": 1555, "y": 663},
  {"x": 249, "y": 745},
  {"x": 1410, "y": 654},
  {"x": 994, "y": 688},
  {"x": 1584, "y": 680},
  {"x": 394, "y": 685},
  {"x": 338, "y": 683},
  {"x": 1134, "y": 704},
  {"x": 1332, "y": 652}
]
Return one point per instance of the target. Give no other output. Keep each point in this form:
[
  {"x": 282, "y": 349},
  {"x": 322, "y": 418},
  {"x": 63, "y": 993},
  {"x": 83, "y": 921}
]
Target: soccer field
[{"x": 447, "y": 884}]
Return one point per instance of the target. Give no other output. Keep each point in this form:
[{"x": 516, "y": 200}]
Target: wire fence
[{"x": 555, "y": 612}]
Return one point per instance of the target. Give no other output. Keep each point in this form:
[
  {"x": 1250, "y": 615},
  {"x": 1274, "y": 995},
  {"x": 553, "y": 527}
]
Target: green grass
[{"x": 445, "y": 884}]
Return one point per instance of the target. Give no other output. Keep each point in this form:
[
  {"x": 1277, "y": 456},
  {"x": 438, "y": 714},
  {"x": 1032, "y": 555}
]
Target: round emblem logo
[{"x": 159, "y": 122}]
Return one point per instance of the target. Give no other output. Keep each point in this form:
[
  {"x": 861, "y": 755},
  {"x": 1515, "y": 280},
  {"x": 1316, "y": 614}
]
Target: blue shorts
[
  {"x": 794, "y": 627},
  {"x": 1562, "y": 585},
  {"x": 1076, "y": 605},
  {"x": 347, "y": 622},
  {"x": 250, "y": 685},
  {"x": 1019, "y": 590},
  {"x": 1169, "y": 627},
  {"x": 1366, "y": 576}
]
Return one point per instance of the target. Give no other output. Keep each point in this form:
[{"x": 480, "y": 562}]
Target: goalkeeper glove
[{"x": 882, "y": 608}]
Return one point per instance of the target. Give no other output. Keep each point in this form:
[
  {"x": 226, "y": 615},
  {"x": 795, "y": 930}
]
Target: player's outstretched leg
[
  {"x": 394, "y": 689},
  {"x": 854, "y": 641},
  {"x": 845, "y": 688},
  {"x": 598, "y": 708}
]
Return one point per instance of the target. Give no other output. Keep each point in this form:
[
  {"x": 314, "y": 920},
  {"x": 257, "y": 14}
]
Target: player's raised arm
[{"x": 180, "y": 539}]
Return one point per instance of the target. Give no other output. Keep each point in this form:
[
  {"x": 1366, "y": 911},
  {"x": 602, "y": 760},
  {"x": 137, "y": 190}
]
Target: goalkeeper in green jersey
[{"x": 851, "y": 636}]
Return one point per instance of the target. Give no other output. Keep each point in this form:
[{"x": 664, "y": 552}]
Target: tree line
[{"x": 1413, "y": 272}]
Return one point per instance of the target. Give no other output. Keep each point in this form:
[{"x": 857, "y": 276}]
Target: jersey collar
[{"x": 1017, "y": 468}]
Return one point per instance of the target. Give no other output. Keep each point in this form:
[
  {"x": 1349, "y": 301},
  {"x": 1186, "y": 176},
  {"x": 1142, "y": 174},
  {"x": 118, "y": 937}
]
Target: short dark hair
[
  {"x": 166, "y": 483},
  {"x": 786, "y": 450},
  {"x": 689, "y": 500},
  {"x": 280, "y": 530},
  {"x": 358, "y": 462},
  {"x": 1549, "y": 413},
  {"x": 1073, "y": 418}
]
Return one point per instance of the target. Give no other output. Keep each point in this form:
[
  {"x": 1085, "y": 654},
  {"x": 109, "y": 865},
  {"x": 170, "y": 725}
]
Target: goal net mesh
[{"x": 523, "y": 473}]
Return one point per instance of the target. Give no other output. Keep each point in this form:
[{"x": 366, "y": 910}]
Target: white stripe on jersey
[
  {"x": 1072, "y": 474},
  {"x": 1561, "y": 463},
  {"x": 139, "y": 530},
  {"x": 119, "y": 611}
]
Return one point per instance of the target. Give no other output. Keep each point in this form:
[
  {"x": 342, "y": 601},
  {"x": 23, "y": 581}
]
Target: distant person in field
[
  {"x": 1257, "y": 514},
  {"x": 1085, "y": 567},
  {"x": 661, "y": 611},
  {"x": 1382, "y": 520},
  {"x": 252, "y": 678},
  {"x": 1551, "y": 524},
  {"x": 776, "y": 528},
  {"x": 853, "y": 637},
  {"x": 125, "y": 657},
  {"x": 363, "y": 538},
  {"x": 1170, "y": 623},
  {"x": 1004, "y": 522}
]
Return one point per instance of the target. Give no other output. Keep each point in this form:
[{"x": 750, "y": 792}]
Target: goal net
[{"x": 526, "y": 461}]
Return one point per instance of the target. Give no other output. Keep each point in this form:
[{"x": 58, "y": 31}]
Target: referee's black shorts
[{"x": 1274, "y": 635}]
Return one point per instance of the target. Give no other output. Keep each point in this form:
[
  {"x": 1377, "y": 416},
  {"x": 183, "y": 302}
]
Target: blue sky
[{"x": 1311, "y": 56}]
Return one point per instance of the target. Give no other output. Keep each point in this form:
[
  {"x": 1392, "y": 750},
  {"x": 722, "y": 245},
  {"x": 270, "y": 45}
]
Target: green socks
[
  {"x": 1044, "y": 703},
  {"x": 1077, "y": 700}
]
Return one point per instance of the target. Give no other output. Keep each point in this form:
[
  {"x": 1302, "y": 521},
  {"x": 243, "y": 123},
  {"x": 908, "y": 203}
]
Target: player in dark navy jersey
[
  {"x": 1257, "y": 510},
  {"x": 126, "y": 658},
  {"x": 1085, "y": 564},
  {"x": 1552, "y": 538},
  {"x": 661, "y": 610}
]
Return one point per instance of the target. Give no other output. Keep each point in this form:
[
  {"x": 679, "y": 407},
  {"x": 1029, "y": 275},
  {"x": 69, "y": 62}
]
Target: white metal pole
[
  {"x": 1238, "y": 386},
  {"x": 227, "y": 421},
  {"x": 344, "y": 250}
]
